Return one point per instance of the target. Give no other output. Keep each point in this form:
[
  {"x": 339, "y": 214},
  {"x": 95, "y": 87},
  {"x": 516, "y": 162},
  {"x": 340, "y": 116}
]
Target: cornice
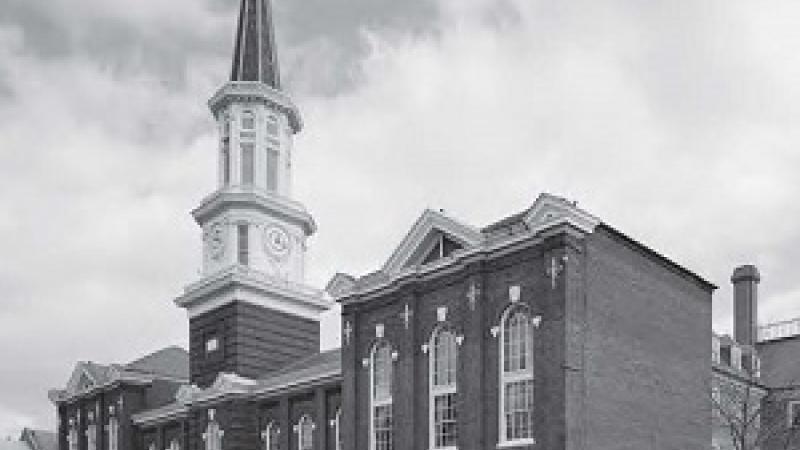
[
  {"x": 270, "y": 292},
  {"x": 460, "y": 260},
  {"x": 117, "y": 379},
  {"x": 255, "y": 91},
  {"x": 299, "y": 384},
  {"x": 250, "y": 198}
]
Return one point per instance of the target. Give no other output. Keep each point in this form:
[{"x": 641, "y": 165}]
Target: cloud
[{"x": 675, "y": 123}]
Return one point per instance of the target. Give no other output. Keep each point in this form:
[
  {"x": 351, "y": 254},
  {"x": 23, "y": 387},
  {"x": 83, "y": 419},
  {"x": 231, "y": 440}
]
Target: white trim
[
  {"x": 305, "y": 419},
  {"x": 434, "y": 391},
  {"x": 337, "y": 444},
  {"x": 505, "y": 379},
  {"x": 238, "y": 283},
  {"x": 792, "y": 404},
  {"x": 373, "y": 404},
  {"x": 429, "y": 221}
]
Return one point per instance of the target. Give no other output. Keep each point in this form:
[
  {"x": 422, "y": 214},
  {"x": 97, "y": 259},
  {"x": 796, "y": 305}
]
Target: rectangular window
[
  {"x": 383, "y": 427},
  {"x": 445, "y": 421},
  {"x": 243, "y": 254},
  {"x": 226, "y": 162},
  {"x": 793, "y": 413},
  {"x": 518, "y": 406},
  {"x": 272, "y": 169},
  {"x": 212, "y": 345},
  {"x": 248, "y": 163}
]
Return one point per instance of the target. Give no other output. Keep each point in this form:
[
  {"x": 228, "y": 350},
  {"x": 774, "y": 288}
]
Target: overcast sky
[{"x": 677, "y": 122}]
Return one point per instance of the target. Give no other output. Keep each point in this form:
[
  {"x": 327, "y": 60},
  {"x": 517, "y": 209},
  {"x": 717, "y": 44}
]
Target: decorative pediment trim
[
  {"x": 549, "y": 210},
  {"x": 430, "y": 222},
  {"x": 185, "y": 393}
]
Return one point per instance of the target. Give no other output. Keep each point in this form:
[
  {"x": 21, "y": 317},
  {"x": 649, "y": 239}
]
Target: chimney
[{"x": 745, "y": 281}]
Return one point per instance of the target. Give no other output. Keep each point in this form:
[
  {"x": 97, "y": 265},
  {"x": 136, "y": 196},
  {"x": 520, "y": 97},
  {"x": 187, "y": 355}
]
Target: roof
[
  {"x": 171, "y": 362},
  {"x": 308, "y": 370},
  {"x": 40, "y": 439},
  {"x": 255, "y": 57},
  {"x": 12, "y": 444}
]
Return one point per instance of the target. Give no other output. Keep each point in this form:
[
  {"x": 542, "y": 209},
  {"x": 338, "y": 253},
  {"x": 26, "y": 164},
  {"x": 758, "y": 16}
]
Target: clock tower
[{"x": 251, "y": 312}]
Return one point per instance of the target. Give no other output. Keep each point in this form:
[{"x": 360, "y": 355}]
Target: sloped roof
[
  {"x": 307, "y": 370},
  {"x": 171, "y": 362},
  {"x": 9, "y": 444},
  {"x": 40, "y": 439}
]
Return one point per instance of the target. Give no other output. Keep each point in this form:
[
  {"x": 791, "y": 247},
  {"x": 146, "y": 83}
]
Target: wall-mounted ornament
[
  {"x": 347, "y": 331},
  {"x": 472, "y": 295},
  {"x": 514, "y": 293},
  {"x": 536, "y": 321},
  {"x": 211, "y": 413},
  {"x": 365, "y": 362},
  {"x": 425, "y": 348},
  {"x": 441, "y": 313},
  {"x": 406, "y": 315},
  {"x": 459, "y": 339},
  {"x": 495, "y": 330},
  {"x": 555, "y": 268},
  {"x": 395, "y": 355},
  {"x": 379, "y": 329}
]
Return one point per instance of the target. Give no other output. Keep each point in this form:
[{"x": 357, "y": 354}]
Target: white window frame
[
  {"x": 113, "y": 433},
  {"x": 243, "y": 245},
  {"x": 337, "y": 429},
  {"x": 72, "y": 435},
  {"x": 268, "y": 442},
  {"x": 440, "y": 391},
  {"x": 91, "y": 436},
  {"x": 509, "y": 378},
  {"x": 305, "y": 425},
  {"x": 248, "y": 114},
  {"x": 375, "y": 404},
  {"x": 214, "y": 434},
  {"x": 174, "y": 444},
  {"x": 792, "y": 411}
]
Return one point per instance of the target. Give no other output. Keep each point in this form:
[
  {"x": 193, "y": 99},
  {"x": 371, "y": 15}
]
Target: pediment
[
  {"x": 433, "y": 236},
  {"x": 81, "y": 379},
  {"x": 550, "y": 210}
]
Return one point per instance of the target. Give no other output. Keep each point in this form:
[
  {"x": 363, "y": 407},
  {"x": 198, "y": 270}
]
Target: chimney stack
[{"x": 745, "y": 281}]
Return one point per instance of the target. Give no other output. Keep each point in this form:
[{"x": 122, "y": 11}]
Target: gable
[
  {"x": 549, "y": 210},
  {"x": 432, "y": 237},
  {"x": 81, "y": 379}
]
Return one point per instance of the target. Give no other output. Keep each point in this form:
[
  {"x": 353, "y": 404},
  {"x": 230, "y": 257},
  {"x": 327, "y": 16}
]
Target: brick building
[
  {"x": 756, "y": 376},
  {"x": 548, "y": 329}
]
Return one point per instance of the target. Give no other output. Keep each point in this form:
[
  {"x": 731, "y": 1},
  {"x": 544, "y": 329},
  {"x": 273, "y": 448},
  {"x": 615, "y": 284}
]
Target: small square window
[
  {"x": 212, "y": 345},
  {"x": 793, "y": 413},
  {"x": 272, "y": 127}
]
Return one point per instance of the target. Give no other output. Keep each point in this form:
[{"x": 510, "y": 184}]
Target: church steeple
[
  {"x": 252, "y": 312},
  {"x": 255, "y": 57}
]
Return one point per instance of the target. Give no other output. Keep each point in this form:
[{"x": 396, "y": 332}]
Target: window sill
[{"x": 517, "y": 443}]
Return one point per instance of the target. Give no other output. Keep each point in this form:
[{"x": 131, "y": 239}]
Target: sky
[{"x": 673, "y": 121}]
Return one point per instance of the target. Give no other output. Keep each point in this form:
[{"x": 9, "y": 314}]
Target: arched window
[
  {"x": 72, "y": 436},
  {"x": 442, "y": 402},
  {"x": 381, "y": 397},
  {"x": 213, "y": 435},
  {"x": 271, "y": 436},
  {"x": 174, "y": 444},
  {"x": 337, "y": 429},
  {"x": 305, "y": 433},
  {"x": 516, "y": 377},
  {"x": 113, "y": 431},
  {"x": 91, "y": 434}
]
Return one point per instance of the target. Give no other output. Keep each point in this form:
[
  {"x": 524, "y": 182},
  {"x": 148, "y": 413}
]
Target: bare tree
[{"x": 750, "y": 416}]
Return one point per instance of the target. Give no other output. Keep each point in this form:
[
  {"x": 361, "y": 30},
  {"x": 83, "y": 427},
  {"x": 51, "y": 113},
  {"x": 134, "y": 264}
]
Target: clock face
[
  {"x": 276, "y": 242},
  {"x": 216, "y": 241}
]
